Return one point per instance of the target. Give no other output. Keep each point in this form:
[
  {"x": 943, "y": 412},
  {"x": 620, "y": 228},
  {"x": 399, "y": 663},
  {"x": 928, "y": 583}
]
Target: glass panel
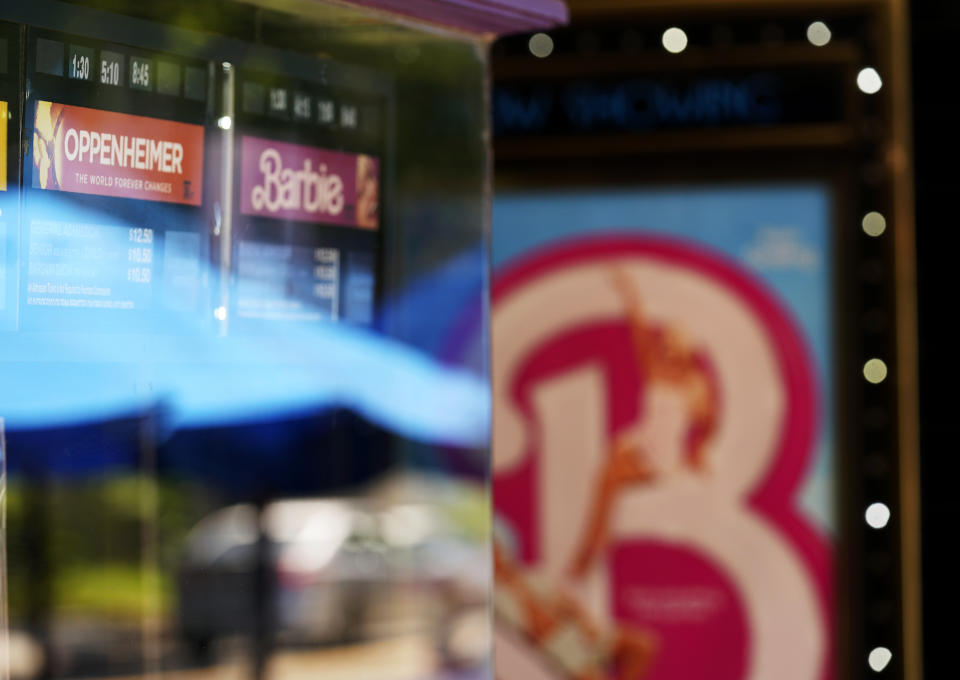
[{"x": 247, "y": 432}]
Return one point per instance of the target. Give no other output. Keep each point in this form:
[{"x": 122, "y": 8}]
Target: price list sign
[
  {"x": 288, "y": 283},
  {"x": 91, "y": 266},
  {"x": 139, "y": 254}
]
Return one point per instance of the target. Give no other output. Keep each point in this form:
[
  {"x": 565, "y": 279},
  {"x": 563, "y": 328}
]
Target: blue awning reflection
[
  {"x": 116, "y": 353},
  {"x": 219, "y": 380}
]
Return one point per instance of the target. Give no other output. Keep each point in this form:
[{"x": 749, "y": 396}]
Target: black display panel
[
  {"x": 114, "y": 232},
  {"x": 307, "y": 220}
]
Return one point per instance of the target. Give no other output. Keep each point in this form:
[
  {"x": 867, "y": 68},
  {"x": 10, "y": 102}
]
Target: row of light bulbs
[
  {"x": 675, "y": 41},
  {"x": 875, "y": 371},
  {"x": 874, "y": 224}
]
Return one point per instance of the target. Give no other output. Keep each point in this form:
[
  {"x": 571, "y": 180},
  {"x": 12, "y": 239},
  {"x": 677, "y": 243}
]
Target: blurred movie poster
[{"x": 663, "y": 471}]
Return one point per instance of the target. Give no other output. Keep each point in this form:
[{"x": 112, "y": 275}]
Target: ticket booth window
[{"x": 240, "y": 246}]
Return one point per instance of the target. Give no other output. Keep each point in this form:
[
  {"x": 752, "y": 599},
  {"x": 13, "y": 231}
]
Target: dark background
[{"x": 935, "y": 25}]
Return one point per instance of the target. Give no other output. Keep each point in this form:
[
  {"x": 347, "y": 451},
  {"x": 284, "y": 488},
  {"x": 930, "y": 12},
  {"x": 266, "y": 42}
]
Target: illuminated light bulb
[
  {"x": 874, "y": 223},
  {"x": 818, "y": 34},
  {"x": 226, "y": 66},
  {"x": 225, "y": 122},
  {"x": 878, "y": 515},
  {"x": 875, "y": 371},
  {"x": 879, "y": 658},
  {"x": 220, "y": 313},
  {"x": 541, "y": 45},
  {"x": 674, "y": 40},
  {"x": 869, "y": 81}
]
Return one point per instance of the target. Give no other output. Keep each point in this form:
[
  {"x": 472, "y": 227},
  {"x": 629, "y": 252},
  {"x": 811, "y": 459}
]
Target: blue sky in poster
[{"x": 780, "y": 232}]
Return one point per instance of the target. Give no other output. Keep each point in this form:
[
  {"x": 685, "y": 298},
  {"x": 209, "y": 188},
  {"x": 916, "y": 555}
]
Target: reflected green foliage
[
  {"x": 92, "y": 537},
  {"x": 469, "y": 511},
  {"x": 117, "y": 591}
]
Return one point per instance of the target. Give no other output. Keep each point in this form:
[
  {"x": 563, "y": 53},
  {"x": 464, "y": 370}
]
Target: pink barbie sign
[
  {"x": 655, "y": 414},
  {"x": 309, "y": 184}
]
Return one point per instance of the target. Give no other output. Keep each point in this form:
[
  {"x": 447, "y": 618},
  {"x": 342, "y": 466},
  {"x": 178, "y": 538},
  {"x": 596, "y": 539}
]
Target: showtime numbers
[
  {"x": 80, "y": 67},
  {"x": 278, "y": 99},
  {"x": 348, "y": 116},
  {"x": 326, "y": 111},
  {"x": 111, "y": 68},
  {"x": 140, "y": 74},
  {"x": 301, "y": 106},
  {"x": 109, "y": 72}
]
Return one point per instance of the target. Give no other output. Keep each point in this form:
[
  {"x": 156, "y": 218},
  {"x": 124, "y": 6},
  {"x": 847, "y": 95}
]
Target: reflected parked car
[{"x": 337, "y": 571}]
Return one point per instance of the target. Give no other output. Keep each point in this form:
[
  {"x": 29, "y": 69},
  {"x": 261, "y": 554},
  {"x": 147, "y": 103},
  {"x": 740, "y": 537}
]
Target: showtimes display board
[
  {"x": 114, "y": 230},
  {"x": 308, "y": 191},
  {"x": 121, "y": 225},
  {"x": 664, "y": 460}
]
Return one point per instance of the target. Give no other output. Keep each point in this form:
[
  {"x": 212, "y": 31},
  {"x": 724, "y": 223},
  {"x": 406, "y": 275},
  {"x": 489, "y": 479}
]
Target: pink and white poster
[
  {"x": 309, "y": 184},
  {"x": 662, "y": 471}
]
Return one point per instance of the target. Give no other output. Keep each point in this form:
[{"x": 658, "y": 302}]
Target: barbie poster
[
  {"x": 662, "y": 461},
  {"x": 293, "y": 181}
]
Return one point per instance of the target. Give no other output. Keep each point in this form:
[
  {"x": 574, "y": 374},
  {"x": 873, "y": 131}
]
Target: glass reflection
[{"x": 234, "y": 273}]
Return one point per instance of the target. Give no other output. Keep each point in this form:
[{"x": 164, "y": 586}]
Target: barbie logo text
[
  {"x": 288, "y": 181},
  {"x": 312, "y": 191}
]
